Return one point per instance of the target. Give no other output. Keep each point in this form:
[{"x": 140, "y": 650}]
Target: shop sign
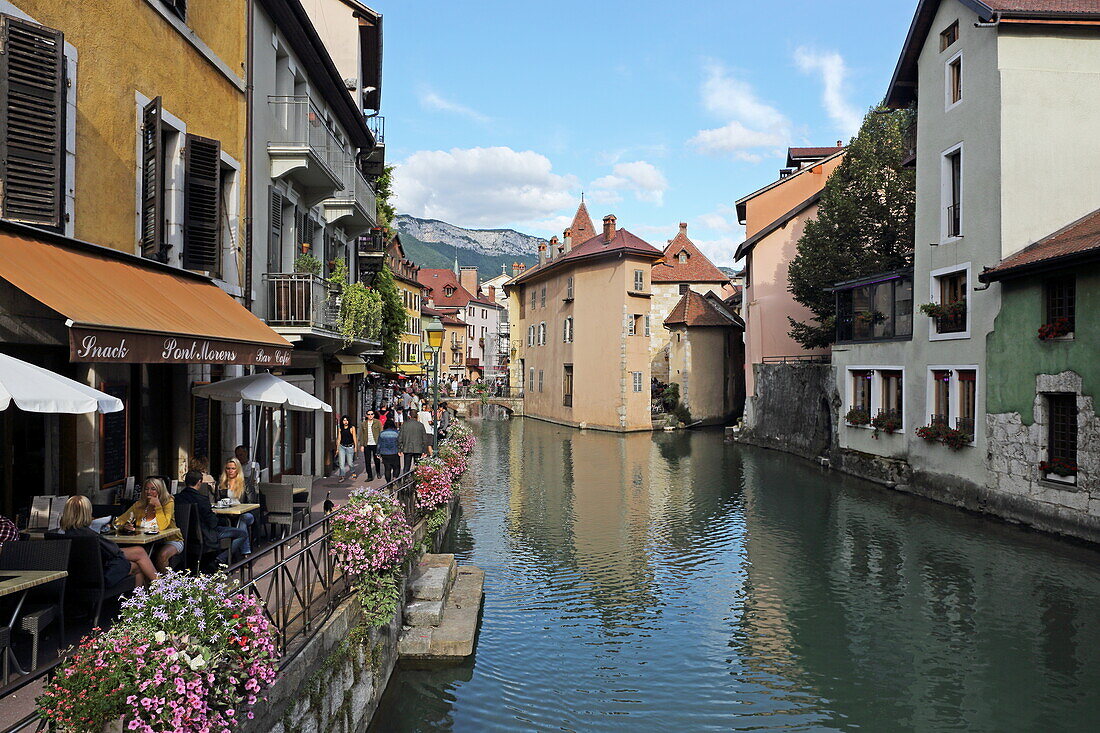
[{"x": 120, "y": 347}]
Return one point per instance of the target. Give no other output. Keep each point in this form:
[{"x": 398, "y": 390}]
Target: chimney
[
  {"x": 608, "y": 228},
  {"x": 515, "y": 268},
  {"x": 467, "y": 278},
  {"x": 493, "y": 293},
  {"x": 568, "y": 234},
  {"x": 553, "y": 248},
  {"x": 684, "y": 228},
  {"x": 840, "y": 143},
  {"x": 542, "y": 253}
]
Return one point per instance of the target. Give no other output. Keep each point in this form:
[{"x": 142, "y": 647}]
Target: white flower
[
  {"x": 160, "y": 636},
  {"x": 197, "y": 663}
]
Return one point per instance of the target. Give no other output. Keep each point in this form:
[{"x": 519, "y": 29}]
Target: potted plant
[
  {"x": 306, "y": 263},
  {"x": 858, "y": 416},
  {"x": 1056, "y": 329},
  {"x": 948, "y": 436},
  {"x": 887, "y": 422},
  {"x": 954, "y": 309},
  {"x": 1059, "y": 469}
]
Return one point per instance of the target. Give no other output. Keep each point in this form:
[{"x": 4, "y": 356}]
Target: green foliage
[
  {"x": 857, "y": 416},
  {"x": 670, "y": 396},
  {"x": 393, "y": 315},
  {"x": 682, "y": 413},
  {"x": 379, "y": 595},
  {"x": 338, "y": 278},
  {"x": 360, "y": 312},
  {"x": 383, "y": 191},
  {"x": 437, "y": 519},
  {"x": 306, "y": 263},
  {"x": 864, "y": 223}
]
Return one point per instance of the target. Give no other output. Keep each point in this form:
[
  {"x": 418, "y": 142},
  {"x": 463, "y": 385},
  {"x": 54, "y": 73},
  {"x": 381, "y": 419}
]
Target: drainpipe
[{"x": 248, "y": 120}]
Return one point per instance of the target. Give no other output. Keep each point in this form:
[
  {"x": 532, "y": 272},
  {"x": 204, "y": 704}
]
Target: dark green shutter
[
  {"x": 202, "y": 204},
  {"x": 275, "y": 242},
  {"x": 152, "y": 182},
  {"x": 32, "y": 123}
]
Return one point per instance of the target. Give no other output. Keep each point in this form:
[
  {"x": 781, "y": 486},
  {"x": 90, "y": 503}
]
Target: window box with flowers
[
  {"x": 858, "y": 416},
  {"x": 886, "y": 421},
  {"x": 938, "y": 432},
  {"x": 1060, "y": 470},
  {"x": 1060, "y": 329},
  {"x": 948, "y": 317}
]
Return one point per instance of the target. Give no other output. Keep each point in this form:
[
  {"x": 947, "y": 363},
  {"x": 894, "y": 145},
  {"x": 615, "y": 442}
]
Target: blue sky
[{"x": 499, "y": 114}]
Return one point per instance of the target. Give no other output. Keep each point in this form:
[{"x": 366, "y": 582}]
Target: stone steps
[{"x": 441, "y": 616}]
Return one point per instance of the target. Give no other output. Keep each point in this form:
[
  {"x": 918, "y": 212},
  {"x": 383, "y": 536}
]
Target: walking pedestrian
[
  {"x": 388, "y": 442},
  {"x": 346, "y": 446},
  {"x": 368, "y": 437},
  {"x": 413, "y": 441}
]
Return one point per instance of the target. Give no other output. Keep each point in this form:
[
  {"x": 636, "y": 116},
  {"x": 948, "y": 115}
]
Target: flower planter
[{"x": 1068, "y": 480}]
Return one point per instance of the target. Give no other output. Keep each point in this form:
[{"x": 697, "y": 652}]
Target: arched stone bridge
[{"x": 468, "y": 406}]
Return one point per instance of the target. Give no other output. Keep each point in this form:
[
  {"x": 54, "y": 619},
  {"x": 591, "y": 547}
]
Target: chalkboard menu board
[
  {"x": 200, "y": 426},
  {"x": 113, "y": 438}
]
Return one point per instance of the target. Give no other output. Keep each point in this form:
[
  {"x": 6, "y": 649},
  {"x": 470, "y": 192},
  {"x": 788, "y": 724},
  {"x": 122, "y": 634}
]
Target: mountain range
[{"x": 432, "y": 243}]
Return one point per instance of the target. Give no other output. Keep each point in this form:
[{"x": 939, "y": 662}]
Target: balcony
[
  {"x": 375, "y": 162},
  {"x": 354, "y": 206},
  {"x": 301, "y": 305},
  {"x": 302, "y": 148}
]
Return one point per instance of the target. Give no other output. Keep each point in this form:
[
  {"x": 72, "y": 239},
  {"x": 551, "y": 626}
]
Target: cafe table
[
  {"x": 21, "y": 581},
  {"x": 236, "y": 510},
  {"x": 141, "y": 538},
  {"x": 301, "y": 490}
]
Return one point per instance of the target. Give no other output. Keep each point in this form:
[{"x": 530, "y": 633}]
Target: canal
[{"x": 675, "y": 582}]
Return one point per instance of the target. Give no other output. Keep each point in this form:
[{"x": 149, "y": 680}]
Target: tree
[
  {"x": 864, "y": 222},
  {"x": 393, "y": 315},
  {"x": 383, "y": 191}
]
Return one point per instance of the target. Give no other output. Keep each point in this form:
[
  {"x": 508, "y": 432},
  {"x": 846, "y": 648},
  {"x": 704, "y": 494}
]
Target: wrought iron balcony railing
[{"x": 302, "y": 300}]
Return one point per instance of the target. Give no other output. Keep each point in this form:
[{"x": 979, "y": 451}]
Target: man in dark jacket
[
  {"x": 212, "y": 532},
  {"x": 413, "y": 440}
]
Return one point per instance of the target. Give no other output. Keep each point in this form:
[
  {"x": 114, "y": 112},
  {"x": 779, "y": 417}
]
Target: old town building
[{"x": 706, "y": 356}]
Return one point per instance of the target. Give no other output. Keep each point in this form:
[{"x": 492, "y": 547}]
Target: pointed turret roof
[
  {"x": 581, "y": 229},
  {"x": 696, "y": 267}
]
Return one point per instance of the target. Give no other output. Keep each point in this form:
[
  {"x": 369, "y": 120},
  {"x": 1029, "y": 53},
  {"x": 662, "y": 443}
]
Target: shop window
[{"x": 1061, "y": 303}]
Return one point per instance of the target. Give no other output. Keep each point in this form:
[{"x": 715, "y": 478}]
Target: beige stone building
[
  {"x": 582, "y": 317},
  {"x": 706, "y": 356},
  {"x": 683, "y": 265}
]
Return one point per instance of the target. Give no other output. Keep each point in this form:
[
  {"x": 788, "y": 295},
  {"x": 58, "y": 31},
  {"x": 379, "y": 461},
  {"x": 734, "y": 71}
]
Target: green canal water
[{"x": 672, "y": 582}]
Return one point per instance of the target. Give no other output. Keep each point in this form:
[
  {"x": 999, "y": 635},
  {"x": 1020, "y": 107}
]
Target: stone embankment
[{"x": 442, "y": 613}]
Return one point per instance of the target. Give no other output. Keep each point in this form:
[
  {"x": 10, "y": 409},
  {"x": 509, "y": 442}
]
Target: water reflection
[{"x": 670, "y": 580}]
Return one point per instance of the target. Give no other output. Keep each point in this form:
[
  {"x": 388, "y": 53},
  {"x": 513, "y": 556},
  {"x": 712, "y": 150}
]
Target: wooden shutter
[
  {"x": 152, "y": 182},
  {"x": 275, "y": 243},
  {"x": 32, "y": 122},
  {"x": 202, "y": 203}
]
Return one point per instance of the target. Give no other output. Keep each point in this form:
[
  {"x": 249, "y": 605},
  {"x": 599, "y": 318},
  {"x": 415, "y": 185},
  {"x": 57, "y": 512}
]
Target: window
[
  {"x": 637, "y": 378},
  {"x": 448, "y": 291},
  {"x": 953, "y": 81},
  {"x": 682, "y": 257},
  {"x": 533, "y": 294},
  {"x": 949, "y": 292},
  {"x": 861, "y": 390},
  {"x": 631, "y": 325},
  {"x": 952, "y": 193},
  {"x": 949, "y": 35},
  {"x": 567, "y": 330},
  {"x": 878, "y": 310},
  {"x": 1062, "y": 427},
  {"x": 484, "y": 315},
  {"x": 532, "y": 380},
  {"x": 1061, "y": 302},
  {"x": 469, "y": 331},
  {"x": 202, "y": 204},
  {"x": 569, "y": 288},
  {"x": 542, "y": 333},
  {"x": 567, "y": 385},
  {"x": 892, "y": 404},
  {"x": 540, "y": 380},
  {"x": 968, "y": 398},
  {"x": 647, "y": 324},
  {"x": 542, "y": 297},
  {"x": 153, "y": 184},
  {"x": 639, "y": 280},
  {"x": 530, "y": 335},
  {"x": 941, "y": 397}
]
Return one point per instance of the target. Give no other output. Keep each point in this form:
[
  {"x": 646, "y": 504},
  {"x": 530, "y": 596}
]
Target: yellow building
[{"x": 409, "y": 359}]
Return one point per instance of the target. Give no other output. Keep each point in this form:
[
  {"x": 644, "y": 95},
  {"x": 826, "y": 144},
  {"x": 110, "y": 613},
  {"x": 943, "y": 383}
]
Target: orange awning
[{"x": 123, "y": 308}]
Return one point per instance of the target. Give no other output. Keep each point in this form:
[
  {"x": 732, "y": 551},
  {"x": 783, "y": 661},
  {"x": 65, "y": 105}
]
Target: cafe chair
[
  {"x": 86, "y": 583},
  {"x": 183, "y": 516},
  {"x": 5, "y": 653},
  {"x": 280, "y": 506},
  {"x": 46, "y": 603},
  {"x": 303, "y": 502}
]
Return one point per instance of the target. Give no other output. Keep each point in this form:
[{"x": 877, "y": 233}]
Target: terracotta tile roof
[
  {"x": 1079, "y": 240},
  {"x": 695, "y": 310},
  {"x": 799, "y": 155},
  {"x": 1043, "y": 6},
  {"x": 581, "y": 230},
  {"x": 697, "y": 269},
  {"x": 437, "y": 280},
  {"x": 622, "y": 243}
]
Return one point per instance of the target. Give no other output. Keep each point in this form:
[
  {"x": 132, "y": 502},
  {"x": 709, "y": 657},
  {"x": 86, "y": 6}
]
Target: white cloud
[
  {"x": 722, "y": 219},
  {"x": 753, "y": 125},
  {"x": 433, "y": 101},
  {"x": 720, "y": 250},
  {"x": 643, "y": 179},
  {"x": 494, "y": 186},
  {"x": 834, "y": 77}
]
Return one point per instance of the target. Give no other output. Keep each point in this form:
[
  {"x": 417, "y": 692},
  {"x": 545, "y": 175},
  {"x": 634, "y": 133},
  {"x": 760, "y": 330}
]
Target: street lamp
[{"x": 435, "y": 332}]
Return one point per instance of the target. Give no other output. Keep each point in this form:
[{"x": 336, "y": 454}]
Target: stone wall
[
  {"x": 794, "y": 409},
  {"x": 337, "y": 680}
]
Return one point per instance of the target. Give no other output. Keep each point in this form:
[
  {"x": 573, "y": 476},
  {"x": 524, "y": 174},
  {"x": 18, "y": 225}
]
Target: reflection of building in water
[{"x": 841, "y": 584}]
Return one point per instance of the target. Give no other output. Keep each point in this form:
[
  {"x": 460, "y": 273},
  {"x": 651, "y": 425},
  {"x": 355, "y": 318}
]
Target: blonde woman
[
  {"x": 118, "y": 562},
  {"x": 154, "y": 510},
  {"x": 232, "y": 484}
]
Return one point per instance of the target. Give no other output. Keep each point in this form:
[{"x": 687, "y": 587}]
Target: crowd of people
[{"x": 391, "y": 439}]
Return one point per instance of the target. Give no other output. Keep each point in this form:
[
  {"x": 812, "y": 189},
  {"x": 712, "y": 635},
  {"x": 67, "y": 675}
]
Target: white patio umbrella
[
  {"x": 35, "y": 389},
  {"x": 262, "y": 390}
]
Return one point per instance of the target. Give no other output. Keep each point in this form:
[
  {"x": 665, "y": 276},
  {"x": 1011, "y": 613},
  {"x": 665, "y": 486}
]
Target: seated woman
[
  {"x": 232, "y": 485},
  {"x": 155, "y": 510},
  {"x": 202, "y": 465},
  {"x": 118, "y": 562}
]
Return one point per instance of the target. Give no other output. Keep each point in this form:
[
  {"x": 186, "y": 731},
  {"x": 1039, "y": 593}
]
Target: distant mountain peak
[{"x": 494, "y": 242}]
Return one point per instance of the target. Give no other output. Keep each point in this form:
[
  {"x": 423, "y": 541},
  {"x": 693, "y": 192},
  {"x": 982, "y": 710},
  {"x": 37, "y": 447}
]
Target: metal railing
[
  {"x": 377, "y": 125},
  {"x": 953, "y": 323},
  {"x": 965, "y": 425},
  {"x": 938, "y": 420},
  {"x": 299, "y": 124},
  {"x": 297, "y": 579},
  {"x": 356, "y": 188},
  {"x": 300, "y": 299},
  {"x": 798, "y": 359},
  {"x": 954, "y": 221}
]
